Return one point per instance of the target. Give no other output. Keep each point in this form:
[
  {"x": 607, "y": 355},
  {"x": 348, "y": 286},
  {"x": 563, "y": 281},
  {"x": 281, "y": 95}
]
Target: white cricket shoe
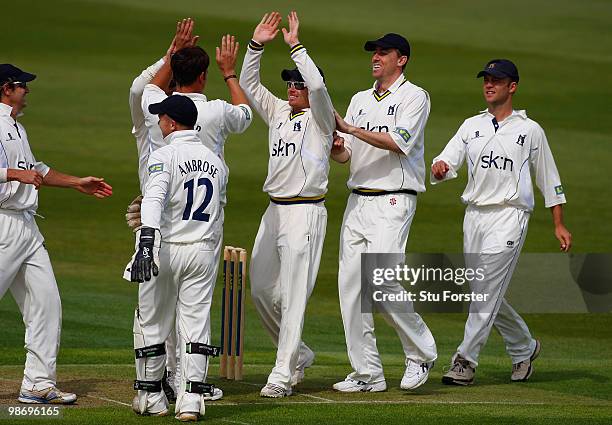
[
  {"x": 49, "y": 395},
  {"x": 350, "y": 385},
  {"x": 217, "y": 394},
  {"x": 416, "y": 374},
  {"x": 274, "y": 391},
  {"x": 187, "y": 416},
  {"x": 298, "y": 375},
  {"x": 522, "y": 371}
]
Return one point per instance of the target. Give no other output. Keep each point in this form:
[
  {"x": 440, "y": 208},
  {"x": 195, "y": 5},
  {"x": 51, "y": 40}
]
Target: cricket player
[
  {"x": 287, "y": 249},
  {"x": 187, "y": 64},
  {"x": 25, "y": 267},
  {"x": 503, "y": 149},
  {"x": 383, "y": 137},
  {"x": 176, "y": 261}
]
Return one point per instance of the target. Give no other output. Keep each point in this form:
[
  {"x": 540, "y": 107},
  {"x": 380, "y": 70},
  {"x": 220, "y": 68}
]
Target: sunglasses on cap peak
[
  {"x": 17, "y": 84},
  {"x": 298, "y": 85}
]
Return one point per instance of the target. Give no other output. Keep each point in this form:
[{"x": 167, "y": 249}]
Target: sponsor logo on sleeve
[
  {"x": 156, "y": 168},
  {"x": 559, "y": 190},
  {"x": 246, "y": 112},
  {"x": 403, "y": 133}
]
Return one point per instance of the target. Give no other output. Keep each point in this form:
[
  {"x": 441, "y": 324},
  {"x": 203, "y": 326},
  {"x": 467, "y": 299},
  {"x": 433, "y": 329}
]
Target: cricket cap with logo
[
  {"x": 10, "y": 73},
  {"x": 389, "y": 41},
  {"x": 500, "y": 68},
  {"x": 180, "y": 108}
]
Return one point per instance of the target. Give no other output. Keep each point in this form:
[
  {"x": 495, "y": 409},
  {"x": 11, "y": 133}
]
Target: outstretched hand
[
  {"x": 184, "y": 35},
  {"x": 267, "y": 28},
  {"x": 95, "y": 186},
  {"x": 291, "y": 36},
  {"x": 227, "y": 55}
]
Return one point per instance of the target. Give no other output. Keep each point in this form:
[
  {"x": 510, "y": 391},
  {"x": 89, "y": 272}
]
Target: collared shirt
[
  {"x": 15, "y": 153},
  {"x": 402, "y": 112},
  {"x": 501, "y": 157},
  {"x": 216, "y": 120},
  {"x": 186, "y": 190},
  {"x": 299, "y": 143}
]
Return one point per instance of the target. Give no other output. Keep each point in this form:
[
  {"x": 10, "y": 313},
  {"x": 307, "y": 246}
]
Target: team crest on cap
[{"x": 491, "y": 65}]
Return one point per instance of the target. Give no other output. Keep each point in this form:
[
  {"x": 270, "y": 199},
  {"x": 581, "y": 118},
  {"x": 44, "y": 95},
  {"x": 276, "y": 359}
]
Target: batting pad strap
[
  {"x": 199, "y": 387},
  {"x": 204, "y": 349},
  {"x": 150, "y": 351},
  {"x": 149, "y": 386}
]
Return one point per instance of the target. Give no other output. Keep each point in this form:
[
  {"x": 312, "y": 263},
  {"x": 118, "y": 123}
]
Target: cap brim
[
  {"x": 156, "y": 108},
  {"x": 493, "y": 72},
  {"x": 26, "y": 77},
  {"x": 371, "y": 46},
  {"x": 291, "y": 75}
]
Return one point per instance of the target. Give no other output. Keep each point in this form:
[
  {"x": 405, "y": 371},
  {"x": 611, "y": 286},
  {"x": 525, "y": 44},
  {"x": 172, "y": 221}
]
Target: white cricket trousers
[
  {"x": 284, "y": 266},
  {"x": 25, "y": 269},
  {"x": 493, "y": 237},
  {"x": 376, "y": 224},
  {"x": 183, "y": 291}
]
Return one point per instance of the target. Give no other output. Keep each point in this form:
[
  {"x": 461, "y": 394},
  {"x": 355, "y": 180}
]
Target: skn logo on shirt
[
  {"x": 282, "y": 148},
  {"x": 379, "y": 128},
  {"x": 496, "y": 161}
]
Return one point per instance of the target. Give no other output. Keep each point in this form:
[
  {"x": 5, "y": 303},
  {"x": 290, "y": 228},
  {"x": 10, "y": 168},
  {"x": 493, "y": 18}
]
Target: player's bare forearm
[
  {"x": 58, "y": 179},
  {"x": 561, "y": 232},
  {"x": 378, "y": 140},
  {"x": 237, "y": 95},
  {"x": 94, "y": 186}
]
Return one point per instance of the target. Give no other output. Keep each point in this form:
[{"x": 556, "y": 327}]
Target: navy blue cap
[
  {"x": 180, "y": 108},
  {"x": 389, "y": 41},
  {"x": 10, "y": 73},
  {"x": 500, "y": 68},
  {"x": 294, "y": 74}
]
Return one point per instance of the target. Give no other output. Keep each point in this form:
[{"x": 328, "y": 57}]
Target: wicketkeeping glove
[
  {"x": 144, "y": 264},
  {"x": 133, "y": 214}
]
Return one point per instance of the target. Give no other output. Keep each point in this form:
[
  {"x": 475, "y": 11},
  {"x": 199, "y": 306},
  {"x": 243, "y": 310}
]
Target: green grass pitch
[{"x": 86, "y": 54}]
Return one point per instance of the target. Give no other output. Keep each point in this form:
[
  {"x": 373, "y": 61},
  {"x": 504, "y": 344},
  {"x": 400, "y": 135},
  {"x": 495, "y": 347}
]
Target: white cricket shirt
[
  {"x": 501, "y": 158},
  {"x": 15, "y": 153},
  {"x": 402, "y": 111},
  {"x": 185, "y": 191},
  {"x": 216, "y": 120},
  {"x": 299, "y": 143}
]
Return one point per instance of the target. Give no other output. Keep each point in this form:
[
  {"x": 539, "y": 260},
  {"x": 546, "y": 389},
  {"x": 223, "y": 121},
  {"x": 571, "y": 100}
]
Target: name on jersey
[
  {"x": 197, "y": 165},
  {"x": 282, "y": 148},
  {"x": 496, "y": 161},
  {"x": 378, "y": 128}
]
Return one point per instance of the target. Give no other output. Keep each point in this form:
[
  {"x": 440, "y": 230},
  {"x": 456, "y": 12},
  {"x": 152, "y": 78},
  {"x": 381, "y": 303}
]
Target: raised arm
[
  {"x": 183, "y": 38},
  {"x": 141, "y": 81},
  {"x": 318, "y": 97},
  {"x": 237, "y": 116},
  {"x": 260, "y": 97}
]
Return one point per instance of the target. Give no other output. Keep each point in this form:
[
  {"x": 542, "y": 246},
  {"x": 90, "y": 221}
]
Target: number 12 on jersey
[{"x": 199, "y": 213}]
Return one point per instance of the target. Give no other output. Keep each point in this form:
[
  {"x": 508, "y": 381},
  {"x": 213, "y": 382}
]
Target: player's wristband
[
  {"x": 230, "y": 77},
  {"x": 296, "y": 48},
  {"x": 253, "y": 45}
]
